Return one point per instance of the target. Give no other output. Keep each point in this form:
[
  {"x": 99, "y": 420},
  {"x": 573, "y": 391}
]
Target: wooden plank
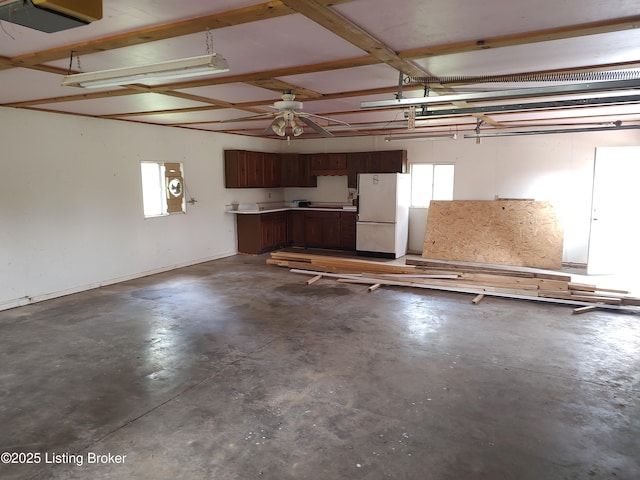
[
  {"x": 313, "y": 280},
  {"x": 351, "y": 264},
  {"x": 238, "y": 16},
  {"x": 333, "y": 21},
  {"x": 560, "y": 301},
  {"x": 583, "y": 287},
  {"x": 488, "y": 268},
  {"x": 477, "y": 299},
  {"x": 584, "y": 298},
  {"x": 491, "y": 279},
  {"x": 586, "y": 309},
  {"x": 507, "y": 232}
]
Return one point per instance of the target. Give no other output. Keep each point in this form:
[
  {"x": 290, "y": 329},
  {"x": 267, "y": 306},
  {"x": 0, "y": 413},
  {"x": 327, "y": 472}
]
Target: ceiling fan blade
[
  {"x": 316, "y": 127},
  {"x": 335, "y": 120},
  {"x": 252, "y": 117}
]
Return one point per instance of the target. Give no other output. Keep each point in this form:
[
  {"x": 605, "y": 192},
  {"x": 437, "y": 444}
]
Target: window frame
[
  {"x": 432, "y": 187},
  {"x": 168, "y": 199}
]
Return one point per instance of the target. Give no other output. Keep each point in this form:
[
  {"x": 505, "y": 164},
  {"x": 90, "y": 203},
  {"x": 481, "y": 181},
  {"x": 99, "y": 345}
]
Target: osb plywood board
[{"x": 507, "y": 232}]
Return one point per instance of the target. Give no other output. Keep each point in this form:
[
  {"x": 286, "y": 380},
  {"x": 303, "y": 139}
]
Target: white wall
[
  {"x": 71, "y": 206},
  {"x": 71, "y": 203},
  {"x": 558, "y": 168}
]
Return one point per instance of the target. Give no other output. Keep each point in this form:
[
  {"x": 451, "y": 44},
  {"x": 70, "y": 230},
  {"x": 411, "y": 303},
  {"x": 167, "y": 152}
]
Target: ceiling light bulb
[
  {"x": 279, "y": 128},
  {"x": 297, "y": 129}
]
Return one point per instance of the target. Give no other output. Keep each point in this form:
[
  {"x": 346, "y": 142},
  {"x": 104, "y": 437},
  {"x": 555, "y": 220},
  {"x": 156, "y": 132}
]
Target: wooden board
[{"x": 506, "y": 232}]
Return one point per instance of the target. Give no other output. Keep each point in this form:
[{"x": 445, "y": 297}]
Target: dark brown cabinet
[
  {"x": 244, "y": 169},
  {"x": 296, "y": 227},
  {"x": 386, "y": 161},
  {"x": 255, "y": 169},
  {"x": 272, "y": 170},
  {"x": 348, "y": 230},
  {"x": 322, "y": 229},
  {"x": 356, "y": 164},
  {"x": 328, "y": 164},
  {"x": 296, "y": 171},
  {"x": 259, "y": 233},
  {"x": 235, "y": 169},
  {"x": 262, "y": 232}
]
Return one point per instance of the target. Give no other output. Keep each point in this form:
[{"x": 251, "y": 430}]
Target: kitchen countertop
[{"x": 285, "y": 209}]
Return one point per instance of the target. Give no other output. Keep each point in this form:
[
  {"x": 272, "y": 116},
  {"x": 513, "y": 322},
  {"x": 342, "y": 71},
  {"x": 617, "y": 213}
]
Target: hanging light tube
[
  {"x": 423, "y": 136},
  {"x": 513, "y": 133},
  {"x": 170, "y": 70}
]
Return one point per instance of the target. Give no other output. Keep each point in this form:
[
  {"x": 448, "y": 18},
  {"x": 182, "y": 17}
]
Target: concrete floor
[{"x": 235, "y": 369}]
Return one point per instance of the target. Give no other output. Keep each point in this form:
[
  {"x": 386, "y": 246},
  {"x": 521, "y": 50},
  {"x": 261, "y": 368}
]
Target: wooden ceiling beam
[
  {"x": 334, "y": 22},
  {"x": 253, "y": 13},
  {"x": 276, "y": 85},
  {"x": 560, "y": 33}
]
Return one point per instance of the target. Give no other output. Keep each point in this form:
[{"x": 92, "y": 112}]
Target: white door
[
  {"x": 614, "y": 242},
  {"x": 377, "y": 201},
  {"x": 376, "y": 237}
]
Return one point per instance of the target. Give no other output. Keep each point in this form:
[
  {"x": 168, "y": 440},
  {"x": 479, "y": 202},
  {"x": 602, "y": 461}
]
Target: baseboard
[{"x": 27, "y": 300}]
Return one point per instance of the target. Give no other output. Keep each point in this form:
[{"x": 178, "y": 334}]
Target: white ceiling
[{"x": 334, "y": 54}]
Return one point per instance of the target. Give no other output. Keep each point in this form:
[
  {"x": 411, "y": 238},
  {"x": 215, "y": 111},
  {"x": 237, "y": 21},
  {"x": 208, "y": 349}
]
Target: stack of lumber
[{"x": 477, "y": 279}]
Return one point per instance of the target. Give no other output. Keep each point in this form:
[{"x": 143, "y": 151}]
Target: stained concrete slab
[{"x": 233, "y": 369}]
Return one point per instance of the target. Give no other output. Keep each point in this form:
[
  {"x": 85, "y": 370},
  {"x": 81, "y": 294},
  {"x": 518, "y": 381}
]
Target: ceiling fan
[{"x": 287, "y": 118}]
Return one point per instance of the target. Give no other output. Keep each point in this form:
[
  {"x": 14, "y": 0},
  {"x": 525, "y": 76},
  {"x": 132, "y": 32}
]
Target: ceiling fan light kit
[
  {"x": 173, "y": 69},
  {"x": 288, "y": 114}
]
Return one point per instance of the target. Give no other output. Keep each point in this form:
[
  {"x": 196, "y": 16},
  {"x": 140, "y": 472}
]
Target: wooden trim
[
  {"x": 352, "y": 33},
  {"x": 229, "y": 18},
  {"x": 559, "y": 33}
]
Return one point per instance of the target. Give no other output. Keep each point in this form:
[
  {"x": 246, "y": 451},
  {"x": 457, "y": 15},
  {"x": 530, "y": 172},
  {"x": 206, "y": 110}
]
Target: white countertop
[{"x": 285, "y": 209}]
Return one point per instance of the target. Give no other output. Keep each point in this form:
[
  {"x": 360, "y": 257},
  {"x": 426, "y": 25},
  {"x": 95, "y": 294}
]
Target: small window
[
  {"x": 162, "y": 188},
  {"x": 430, "y": 182}
]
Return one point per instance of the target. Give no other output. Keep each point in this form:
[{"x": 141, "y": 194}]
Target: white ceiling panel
[
  {"x": 143, "y": 102},
  {"x": 409, "y": 24},
  {"x": 234, "y": 93},
  {"x": 340, "y": 49},
  {"x": 618, "y": 47},
  {"x": 118, "y": 16}
]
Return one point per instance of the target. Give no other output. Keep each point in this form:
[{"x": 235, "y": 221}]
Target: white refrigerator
[{"x": 382, "y": 229}]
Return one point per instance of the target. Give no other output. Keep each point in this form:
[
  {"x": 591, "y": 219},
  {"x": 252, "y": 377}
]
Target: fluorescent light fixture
[
  {"x": 602, "y": 86},
  {"x": 424, "y": 136},
  {"x": 173, "y": 69},
  {"x": 513, "y": 133}
]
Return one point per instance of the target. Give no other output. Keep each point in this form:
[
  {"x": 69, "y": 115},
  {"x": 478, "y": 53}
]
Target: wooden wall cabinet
[
  {"x": 386, "y": 161},
  {"x": 272, "y": 170},
  {"x": 328, "y": 164},
  {"x": 244, "y": 169},
  {"x": 296, "y": 171},
  {"x": 235, "y": 169}
]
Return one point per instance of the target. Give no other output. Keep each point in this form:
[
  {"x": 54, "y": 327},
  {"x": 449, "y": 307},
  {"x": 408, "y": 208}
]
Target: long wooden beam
[
  {"x": 228, "y": 18},
  {"x": 349, "y": 31},
  {"x": 536, "y": 36}
]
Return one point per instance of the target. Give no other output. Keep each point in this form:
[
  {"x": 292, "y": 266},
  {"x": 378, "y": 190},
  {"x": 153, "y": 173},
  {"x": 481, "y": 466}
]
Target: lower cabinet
[
  {"x": 263, "y": 232},
  {"x": 323, "y": 229},
  {"x": 348, "y": 230},
  {"x": 259, "y": 233}
]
